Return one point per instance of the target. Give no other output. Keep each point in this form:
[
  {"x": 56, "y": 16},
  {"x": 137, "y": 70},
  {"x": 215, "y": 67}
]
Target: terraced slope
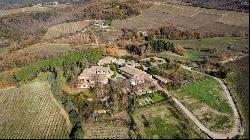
[{"x": 65, "y": 28}]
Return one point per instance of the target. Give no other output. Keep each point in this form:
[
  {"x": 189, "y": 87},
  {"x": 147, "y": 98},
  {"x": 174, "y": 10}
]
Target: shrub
[
  {"x": 162, "y": 45},
  {"x": 180, "y": 50}
]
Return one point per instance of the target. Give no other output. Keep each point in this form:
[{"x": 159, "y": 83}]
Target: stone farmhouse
[
  {"x": 135, "y": 75},
  {"x": 96, "y": 75},
  {"x": 161, "y": 79}
]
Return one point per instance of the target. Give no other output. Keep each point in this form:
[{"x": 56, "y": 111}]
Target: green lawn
[
  {"x": 163, "y": 120},
  {"x": 194, "y": 55},
  {"x": 41, "y": 76},
  {"x": 177, "y": 58},
  {"x": 214, "y": 42},
  {"x": 163, "y": 130},
  {"x": 156, "y": 97},
  {"x": 207, "y": 91}
]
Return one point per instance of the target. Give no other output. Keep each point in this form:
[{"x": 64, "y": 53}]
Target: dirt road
[{"x": 237, "y": 128}]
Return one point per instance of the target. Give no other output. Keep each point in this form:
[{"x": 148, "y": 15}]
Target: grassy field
[
  {"x": 237, "y": 45},
  {"x": 218, "y": 42},
  {"x": 30, "y": 9},
  {"x": 207, "y": 91},
  {"x": 194, "y": 55},
  {"x": 156, "y": 97},
  {"x": 31, "y": 112},
  {"x": 23, "y": 10},
  {"x": 172, "y": 57},
  {"x": 194, "y": 51},
  {"x": 207, "y": 101},
  {"x": 238, "y": 81},
  {"x": 45, "y": 48},
  {"x": 164, "y": 121}
]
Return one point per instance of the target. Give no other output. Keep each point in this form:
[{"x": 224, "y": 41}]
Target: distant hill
[
  {"x": 236, "y": 5},
  {"x": 11, "y": 4}
]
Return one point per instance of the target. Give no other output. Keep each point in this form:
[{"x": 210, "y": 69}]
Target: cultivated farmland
[
  {"x": 23, "y": 10},
  {"x": 105, "y": 131},
  {"x": 188, "y": 17},
  {"x": 235, "y": 18},
  {"x": 65, "y": 28},
  {"x": 31, "y": 112}
]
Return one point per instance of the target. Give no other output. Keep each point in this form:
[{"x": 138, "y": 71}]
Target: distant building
[
  {"x": 136, "y": 76},
  {"x": 96, "y": 75},
  {"x": 52, "y": 3},
  {"x": 101, "y": 25},
  {"x": 38, "y": 5},
  {"x": 142, "y": 33}
]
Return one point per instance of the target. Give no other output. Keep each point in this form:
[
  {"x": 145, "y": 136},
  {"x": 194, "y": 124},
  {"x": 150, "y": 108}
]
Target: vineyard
[
  {"x": 238, "y": 82},
  {"x": 65, "y": 28},
  {"x": 105, "y": 131},
  {"x": 31, "y": 112}
]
